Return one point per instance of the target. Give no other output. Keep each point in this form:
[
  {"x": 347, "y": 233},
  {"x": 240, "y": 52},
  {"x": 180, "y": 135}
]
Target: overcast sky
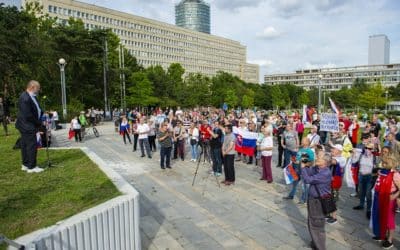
[{"x": 284, "y": 35}]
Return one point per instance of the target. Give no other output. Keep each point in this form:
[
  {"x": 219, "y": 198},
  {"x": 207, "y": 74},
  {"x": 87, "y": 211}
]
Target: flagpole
[{"x": 319, "y": 93}]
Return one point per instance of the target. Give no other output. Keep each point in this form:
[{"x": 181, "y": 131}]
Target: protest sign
[{"x": 329, "y": 122}]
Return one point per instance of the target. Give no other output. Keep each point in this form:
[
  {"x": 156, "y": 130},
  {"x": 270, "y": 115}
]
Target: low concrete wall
[{"x": 112, "y": 225}]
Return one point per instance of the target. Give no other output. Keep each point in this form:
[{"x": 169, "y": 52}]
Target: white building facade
[
  {"x": 336, "y": 78},
  {"x": 156, "y": 43}
]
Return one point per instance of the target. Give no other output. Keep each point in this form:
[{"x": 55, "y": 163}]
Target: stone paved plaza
[{"x": 248, "y": 215}]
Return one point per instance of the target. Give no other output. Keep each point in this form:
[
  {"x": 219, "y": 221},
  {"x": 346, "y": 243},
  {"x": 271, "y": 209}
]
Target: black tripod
[
  {"x": 48, "y": 140},
  {"x": 198, "y": 164}
]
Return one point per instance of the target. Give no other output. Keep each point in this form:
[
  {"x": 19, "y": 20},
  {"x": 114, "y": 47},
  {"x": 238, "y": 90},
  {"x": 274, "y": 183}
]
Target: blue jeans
[
  {"x": 216, "y": 156},
  {"x": 288, "y": 155},
  {"x": 364, "y": 187},
  {"x": 193, "y": 150},
  {"x": 304, "y": 195},
  {"x": 165, "y": 156}
]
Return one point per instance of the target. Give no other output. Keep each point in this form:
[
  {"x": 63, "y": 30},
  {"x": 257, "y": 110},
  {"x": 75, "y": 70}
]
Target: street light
[
  {"x": 319, "y": 93},
  {"x": 386, "y": 106},
  {"x": 62, "y": 63}
]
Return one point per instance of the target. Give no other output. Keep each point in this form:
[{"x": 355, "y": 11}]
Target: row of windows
[
  {"x": 338, "y": 75},
  {"x": 188, "y": 67},
  {"x": 232, "y": 51},
  {"x": 136, "y": 26}
]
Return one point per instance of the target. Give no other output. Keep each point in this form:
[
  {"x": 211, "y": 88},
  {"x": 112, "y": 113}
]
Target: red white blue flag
[
  {"x": 334, "y": 108},
  {"x": 290, "y": 174},
  {"x": 246, "y": 141}
]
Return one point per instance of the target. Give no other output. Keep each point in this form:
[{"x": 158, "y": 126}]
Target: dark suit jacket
[{"x": 28, "y": 121}]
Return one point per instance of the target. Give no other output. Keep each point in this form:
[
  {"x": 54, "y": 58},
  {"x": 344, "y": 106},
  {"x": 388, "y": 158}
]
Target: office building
[
  {"x": 194, "y": 15},
  {"x": 157, "y": 43},
  {"x": 378, "y": 50},
  {"x": 336, "y": 78}
]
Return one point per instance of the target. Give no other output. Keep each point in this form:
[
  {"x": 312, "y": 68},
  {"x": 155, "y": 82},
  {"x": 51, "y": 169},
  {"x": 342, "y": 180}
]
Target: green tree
[
  {"x": 373, "y": 98},
  {"x": 303, "y": 99},
  {"x": 197, "y": 90},
  {"x": 277, "y": 97},
  {"x": 248, "y": 99},
  {"x": 141, "y": 91},
  {"x": 231, "y": 99}
]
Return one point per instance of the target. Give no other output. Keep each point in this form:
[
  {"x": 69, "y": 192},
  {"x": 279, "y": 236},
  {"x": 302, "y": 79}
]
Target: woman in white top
[
  {"x": 76, "y": 127},
  {"x": 193, "y": 140},
  {"x": 265, "y": 148}
]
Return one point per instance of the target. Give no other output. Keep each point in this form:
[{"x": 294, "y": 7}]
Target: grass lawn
[{"x": 32, "y": 201}]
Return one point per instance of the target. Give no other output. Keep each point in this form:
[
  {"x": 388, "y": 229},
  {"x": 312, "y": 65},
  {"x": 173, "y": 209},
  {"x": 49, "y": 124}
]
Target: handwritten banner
[{"x": 329, "y": 122}]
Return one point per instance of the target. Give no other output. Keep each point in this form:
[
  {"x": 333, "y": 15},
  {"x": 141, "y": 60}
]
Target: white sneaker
[
  {"x": 35, "y": 170},
  {"x": 353, "y": 194},
  {"x": 24, "y": 168}
]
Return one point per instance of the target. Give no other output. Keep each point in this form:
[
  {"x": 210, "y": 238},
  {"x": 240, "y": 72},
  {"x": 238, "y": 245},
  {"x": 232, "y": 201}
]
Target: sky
[{"x": 286, "y": 35}]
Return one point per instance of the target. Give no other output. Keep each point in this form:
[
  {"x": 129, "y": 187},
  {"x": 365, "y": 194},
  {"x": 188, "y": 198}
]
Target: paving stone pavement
[{"x": 248, "y": 215}]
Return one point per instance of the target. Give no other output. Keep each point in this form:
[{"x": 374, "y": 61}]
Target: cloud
[
  {"x": 327, "y": 5},
  {"x": 310, "y": 65},
  {"x": 262, "y": 62},
  {"x": 269, "y": 33},
  {"x": 235, "y": 4},
  {"x": 288, "y": 8}
]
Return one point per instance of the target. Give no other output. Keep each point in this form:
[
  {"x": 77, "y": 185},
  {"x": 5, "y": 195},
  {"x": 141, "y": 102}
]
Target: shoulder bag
[{"x": 327, "y": 202}]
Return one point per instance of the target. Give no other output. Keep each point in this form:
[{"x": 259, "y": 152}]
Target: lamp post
[
  {"x": 386, "y": 106},
  {"x": 62, "y": 63},
  {"x": 319, "y": 93}
]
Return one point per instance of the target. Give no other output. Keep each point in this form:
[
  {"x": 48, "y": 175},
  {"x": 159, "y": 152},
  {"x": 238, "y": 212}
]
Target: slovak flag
[
  {"x": 334, "y": 108},
  {"x": 245, "y": 141}
]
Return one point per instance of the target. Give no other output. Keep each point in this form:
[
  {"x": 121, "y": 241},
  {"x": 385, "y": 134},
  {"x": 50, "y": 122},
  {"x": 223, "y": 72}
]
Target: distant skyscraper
[
  {"x": 378, "y": 50},
  {"x": 194, "y": 15}
]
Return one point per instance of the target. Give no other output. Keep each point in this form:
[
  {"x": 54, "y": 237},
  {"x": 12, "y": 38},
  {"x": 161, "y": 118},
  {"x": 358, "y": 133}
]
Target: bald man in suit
[{"x": 28, "y": 124}]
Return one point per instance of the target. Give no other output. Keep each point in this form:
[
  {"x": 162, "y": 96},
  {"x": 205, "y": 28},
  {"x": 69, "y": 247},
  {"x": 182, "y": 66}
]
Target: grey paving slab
[{"x": 248, "y": 215}]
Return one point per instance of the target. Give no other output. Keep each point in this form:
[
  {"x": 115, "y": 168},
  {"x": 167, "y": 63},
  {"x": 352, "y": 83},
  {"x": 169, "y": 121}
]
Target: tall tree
[
  {"x": 141, "y": 91},
  {"x": 374, "y": 97}
]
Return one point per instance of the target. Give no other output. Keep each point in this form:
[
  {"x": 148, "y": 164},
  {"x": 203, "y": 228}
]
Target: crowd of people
[
  {"x": 318, "y": 157},
  {"x": 363, "y": 154}
]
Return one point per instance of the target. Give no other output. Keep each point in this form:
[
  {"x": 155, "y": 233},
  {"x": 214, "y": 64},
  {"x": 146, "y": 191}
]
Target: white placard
[{"x": 329, "y": 122}]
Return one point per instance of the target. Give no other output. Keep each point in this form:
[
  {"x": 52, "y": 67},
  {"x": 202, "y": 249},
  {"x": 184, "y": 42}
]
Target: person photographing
[
  {"x": 319, "y": 177},
  {"x": 28, "y": 124}
]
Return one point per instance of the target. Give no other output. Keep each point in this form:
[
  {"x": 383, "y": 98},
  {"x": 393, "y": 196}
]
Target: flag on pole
[
  {"x": 334, "y": 107},
  {"x": 245, "y": 141},
  {"x": 305, "y": 111}
]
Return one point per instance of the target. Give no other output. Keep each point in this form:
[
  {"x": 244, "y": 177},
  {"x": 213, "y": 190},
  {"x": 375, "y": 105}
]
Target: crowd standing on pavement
[
  {"x": 319, "y": 158},
  {"x": 367, "y": 152}
]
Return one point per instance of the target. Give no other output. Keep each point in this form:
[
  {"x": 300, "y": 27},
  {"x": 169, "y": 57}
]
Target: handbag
[
  {"x": 327, "y": 202},
  {"x": 71, "y": 134}
]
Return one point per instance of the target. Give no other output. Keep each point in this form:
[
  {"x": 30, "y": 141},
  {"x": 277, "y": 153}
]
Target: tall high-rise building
[
  {"x": 378, "y": 50},
  {"x": 194, "y": 15}
]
